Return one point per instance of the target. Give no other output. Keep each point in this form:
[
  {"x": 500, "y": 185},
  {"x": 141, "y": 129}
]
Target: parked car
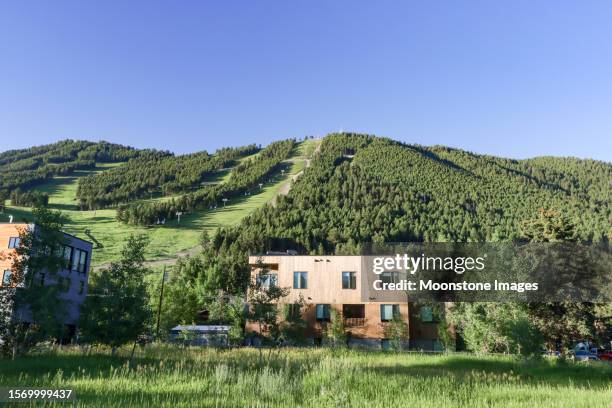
[
  {"x": 582, "y": 352},
  {"x": 604, "y": 355}
]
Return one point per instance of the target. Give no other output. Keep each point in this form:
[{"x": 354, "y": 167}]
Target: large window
[
  {"x": 267, "y": 280},
  {"x": 14, "y": 242},
  {"x": 349, "y": 280},
  {"x": 6, "y": 277},
  {"x": 79, "y": 260},
  {"x": 427, "y": 314},
  {"x": 67, "y": 254},
  {"x": 389, "y": 277},
  {"x": 388, "y": 312},
  {"x": 323, "y": 313},
  {"x": 300, "y": 280}
]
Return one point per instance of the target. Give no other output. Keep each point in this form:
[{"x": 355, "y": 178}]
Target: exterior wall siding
[
  {"x": 73, "y": 297},
  {"x": 325, "y": 287}
]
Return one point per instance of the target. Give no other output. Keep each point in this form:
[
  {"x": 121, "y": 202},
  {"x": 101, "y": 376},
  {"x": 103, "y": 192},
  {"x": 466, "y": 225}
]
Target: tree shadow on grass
[
  {"x": 525, "y": 371},
  {"x": 63, "y": 207},
  {"x": 37, "y": 366},
  {"x": 19, "y": 215}
]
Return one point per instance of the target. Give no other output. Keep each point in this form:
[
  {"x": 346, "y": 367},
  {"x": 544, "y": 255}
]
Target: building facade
[
  {"x": 327, "y": 283},
  {"x": 73, "y": 278}
]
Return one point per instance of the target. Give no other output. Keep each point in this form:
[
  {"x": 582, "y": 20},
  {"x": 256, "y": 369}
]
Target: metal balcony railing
[{"x": 354, "y": 321}]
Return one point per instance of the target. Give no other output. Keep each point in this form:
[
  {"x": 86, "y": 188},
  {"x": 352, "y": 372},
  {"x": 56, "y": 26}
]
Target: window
[
  {"x": 81, "y": 287},
  {"x": 64, "y": 284},
  {"x": 427, "y": 314},
  {"x": 388, "y": 312},
  {"x": 323, "y": 313},
  {"x": 389, "y": 277},
  {"x": 79, "y": 260},
  {"x": 300, "y": 280},
  {"x": 67, "y": 254},
  {"x": 349, "y": 280},
  {"x": 267, "y": 280},
  {"x": 14, "y": 242},
  {"x": 353, "y": 311},
  {"x": 6, "y": 277},
  {"x": 294, "y": 311}
]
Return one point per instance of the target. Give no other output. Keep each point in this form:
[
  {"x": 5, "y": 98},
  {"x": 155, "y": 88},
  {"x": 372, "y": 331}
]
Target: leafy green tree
[
  {"x": 229, "y": 310},
  {"x": 264, "y": 300},
  {"x": 184, "y": 296},
  {"x": 335, "y": 332},
  {"x": 117, "y": 312},
  {"x": 397, "y": 331},
  {"x": 293, "y": 325},
  {"x": 560, "y": 322},
  {"x": 496, "y": 327}
]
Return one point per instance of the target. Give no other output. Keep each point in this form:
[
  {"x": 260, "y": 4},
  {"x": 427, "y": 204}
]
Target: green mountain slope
[
  {"x": 26, "y": 168},
  {"x": 170, "y": 240},
  {"x": 361, "y": 188},
  {"x": 356, "y": 188},
  {"x": 155, "y": 173}
]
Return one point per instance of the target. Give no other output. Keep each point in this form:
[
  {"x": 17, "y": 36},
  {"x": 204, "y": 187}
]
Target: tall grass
[{"x": 169, "y": 376}]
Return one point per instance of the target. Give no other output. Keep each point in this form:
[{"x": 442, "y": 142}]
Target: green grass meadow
[
  {"x": 176, "y": 377},
  {"x": 168, "y": 241}
]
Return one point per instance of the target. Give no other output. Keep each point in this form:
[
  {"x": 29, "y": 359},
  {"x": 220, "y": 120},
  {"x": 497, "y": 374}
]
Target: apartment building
[
  {"x": 329, "y": 283},
  {"x": 73, "y": 278}
]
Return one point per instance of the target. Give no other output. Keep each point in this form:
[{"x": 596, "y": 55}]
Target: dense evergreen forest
[
  {"x": 26, "y": 168},
  {"x": 361, "y": 188},
  {"x": 154, "y": 172},
  {"x": 358, "y": 188},
  {"x": 242, "y": 179},
  {"x": 30, "y": 198}
]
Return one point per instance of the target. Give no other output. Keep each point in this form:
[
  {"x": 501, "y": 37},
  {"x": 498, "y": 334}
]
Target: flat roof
[
  {"x": 301, "y": 256},
  {"x": 30, "y": 223},
  {"x": 204, "y": 328},
  {"x": 80, "y": 239}
]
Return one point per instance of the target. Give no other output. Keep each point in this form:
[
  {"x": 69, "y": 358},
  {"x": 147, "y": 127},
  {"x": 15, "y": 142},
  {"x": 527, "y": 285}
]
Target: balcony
[
  {"x": 354, "y": 321},
  {"x": 353, "y": 315}
]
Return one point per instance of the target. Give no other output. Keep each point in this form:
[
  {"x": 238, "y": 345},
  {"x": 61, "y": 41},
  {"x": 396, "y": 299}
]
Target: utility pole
[{"x": 161, "y": 299}]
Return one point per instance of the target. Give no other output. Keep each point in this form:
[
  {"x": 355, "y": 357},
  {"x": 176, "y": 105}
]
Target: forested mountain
[
  {"x": 242, "y": 178},
  {"x": 362, "y": 188},
  {"x": 358, "y": 188},
  {"x": 26, "y": 168},
  {"x": 154, "y": 171}
]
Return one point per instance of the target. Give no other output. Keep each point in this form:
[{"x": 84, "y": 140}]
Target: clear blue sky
[{"x": 518, "y": 79}]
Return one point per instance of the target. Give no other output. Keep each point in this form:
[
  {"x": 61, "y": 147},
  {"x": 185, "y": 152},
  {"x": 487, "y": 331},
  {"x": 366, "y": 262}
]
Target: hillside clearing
[{"x": 167, "y": 242}]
